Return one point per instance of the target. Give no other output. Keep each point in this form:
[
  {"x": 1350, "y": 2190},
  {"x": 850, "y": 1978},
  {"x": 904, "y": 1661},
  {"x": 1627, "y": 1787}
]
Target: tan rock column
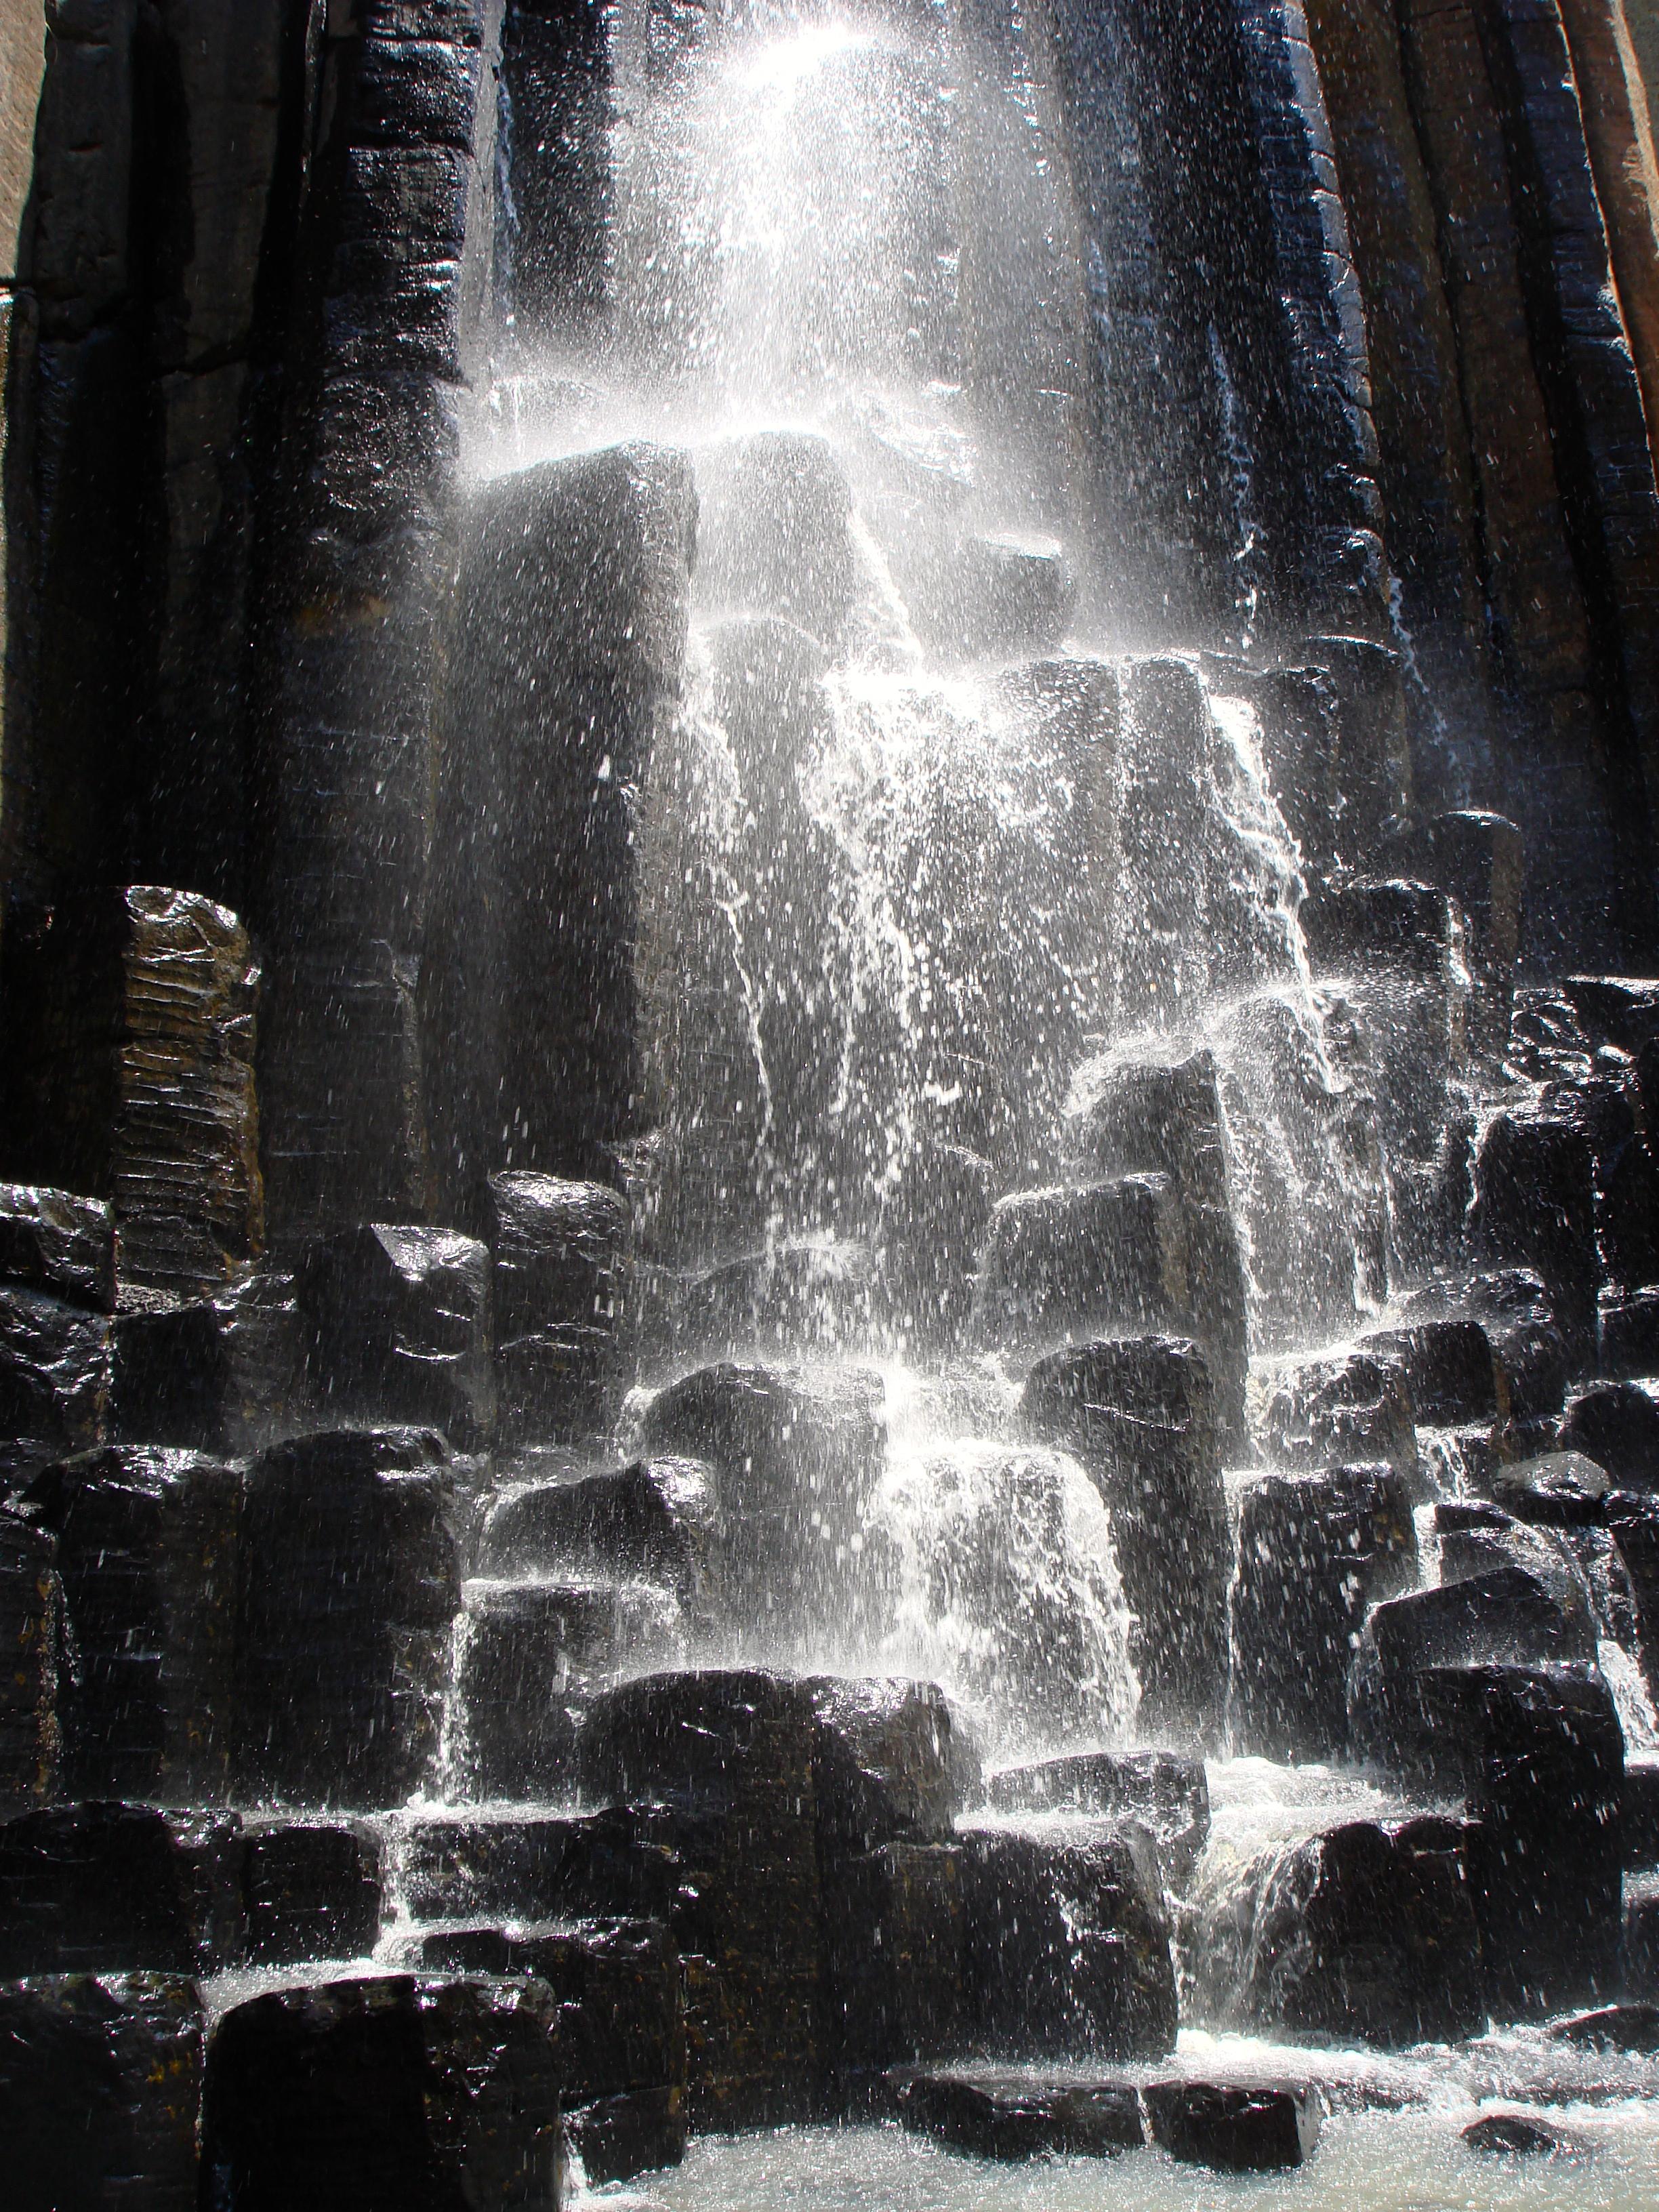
[
  {"x": 22, "y": 64},
  {"x": 1618, "y": 110}
]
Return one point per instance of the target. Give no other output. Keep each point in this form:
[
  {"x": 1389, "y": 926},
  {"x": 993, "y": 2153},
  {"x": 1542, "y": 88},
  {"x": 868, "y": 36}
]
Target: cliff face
[{"x": 1373, "y": 340}]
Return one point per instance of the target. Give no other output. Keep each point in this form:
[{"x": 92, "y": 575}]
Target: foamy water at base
[{"x": 1409, "y": 2161}]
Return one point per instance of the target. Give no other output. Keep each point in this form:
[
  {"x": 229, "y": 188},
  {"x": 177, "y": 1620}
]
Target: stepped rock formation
[{"x": 829, "y": 1101}]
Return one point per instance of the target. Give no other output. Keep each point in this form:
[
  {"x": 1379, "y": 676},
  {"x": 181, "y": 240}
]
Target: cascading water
[{"x": 898, "y": 1373}]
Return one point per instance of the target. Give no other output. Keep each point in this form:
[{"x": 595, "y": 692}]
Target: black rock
[
  {"x": 1364, "y": 1933},
  {"x": 1513, "y": 2135},
  {"x": 1163, "y": 1118},
  {"x": 148, "y": 1552},
  {"x": 1612, "y": 2028},
  {"x": 1506, "y": 1615},
  {"x": 1629, "y": 1332},
  {"x": 131, "y": 1034},
  {"x": 219, "y": 1374},
  {"x": 387, "y": 2092},
  {"x": 566, "y": 664},
  {"x": 893, "y": 1763},
  {"x": 310, "y": 1891},
  {"x": 1560, "y": 1490},
  {"x": 636, "y": 2132},
  {"x": 1257, "y": 2128},
  {"x": 654, "y": 1519},
  {"x": 30, "y": 1637},
  {"x": 797, "y": 1454},
  {"x": 1632, "y": 1520},
  {"x": 1480, "y": 860},
  {"x": 933, "y": 1228},
  {"x": 1140, "y": 1413},
  {"x": 349, "y": 1583},
  {"x": 58, "y": 1244},
  {"x": 1397, "y": 948},
  {"x": 398, "y": 1329},
  {"x": 1541, "y": 1755},
  {"x": 530, "y": 1867},
  {"x": 557, "y": 1249},
  {"x": 1534, "y": 1206},
  {"x": 1617, "y": 1426},
  {"x": 1639, "y": 1957},
  {"x": 618, "y": 2028},
  {"x": 1068, "y": 1945},
  {"x": 100, "y": 2085},
  {"x": 1167, "y": 1792},
  {"x": 894, "y": 1983},
  {"x": 1513, "y": 1306},
  {"x": 1315, "y": 1552},
  {"x": 1068, "y": 1266},
  {"x": 1496, "y": 1543},
  {"x": 730, "y": 1757},
  {"x": 1641, "y": 1811},
  {"x": 107, "y": 1889},
  {"x": 1007, "y": 2117},
  {"x": 775, "y": 530},
  {"x": 1348, "y": 1411},
  {"x": 1449, "y": 1370},
  {"x": 54, "y": 1379},
  {"x": 533, "y": 1657}
]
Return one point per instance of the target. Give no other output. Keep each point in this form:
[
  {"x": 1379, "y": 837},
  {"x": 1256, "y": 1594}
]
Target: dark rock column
[
  {"x": 362, "y": 566},
  {"x": 431, "y": 2094},
  {"x": 1590, "y": 386},
  {"x": 350, "y": 1581},
  {"x": 1539, "y": 628},
  {"x": 130, "y": 1020},
  {"x": 731, "y": 1758},
  {"x": 100, "y": 2087},
  {"x": 148, "y": 1553},
  {"x": 1425, "y": 473},
  {"x": 31, "y": 1626},
  {"x": 573, "y": 601},
  {"x": 1140, "y": 1414}
]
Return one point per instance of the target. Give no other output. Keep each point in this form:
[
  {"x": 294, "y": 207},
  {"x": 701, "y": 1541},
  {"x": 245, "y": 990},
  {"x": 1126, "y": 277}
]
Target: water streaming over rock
[{"x": 951, "y": 1415}]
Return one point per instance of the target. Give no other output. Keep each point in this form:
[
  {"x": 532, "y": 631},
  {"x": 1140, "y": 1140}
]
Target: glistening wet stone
[{"x": 1007, "y": 2117}]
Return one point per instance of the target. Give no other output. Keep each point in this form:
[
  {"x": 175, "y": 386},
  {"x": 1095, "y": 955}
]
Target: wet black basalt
[
  {"x": 1315, "y": 1552},
  {"x": 398, "y": 1327},
  {"x": 149, "y": 1553},
  {"x": 393, "y": 2091},
  {"x": 107, "y": 1889},
  {"x": 101, "y": 2088},
  {"x": 1068, "y": 1945},
  {"x": 1250, "y": 2129},
  {"x": 1140, "y": 1414},
  {"x": 1009, "y": 2117},
  {"x": 310, "y": 1891},
  {"x": 1167, "y": 1792},
  {"x": 827, "y": 925},
  {"x": 350, "y": 1581}
]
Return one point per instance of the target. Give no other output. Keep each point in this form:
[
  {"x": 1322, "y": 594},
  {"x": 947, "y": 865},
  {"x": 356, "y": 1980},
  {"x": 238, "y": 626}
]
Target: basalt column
[
  {"x": 390, "y": 265},
  {"x": 571, "y": 641}
]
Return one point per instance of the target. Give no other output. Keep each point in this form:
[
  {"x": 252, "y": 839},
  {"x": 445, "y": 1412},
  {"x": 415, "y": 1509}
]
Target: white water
[{"x": 1409, "y": 2160}]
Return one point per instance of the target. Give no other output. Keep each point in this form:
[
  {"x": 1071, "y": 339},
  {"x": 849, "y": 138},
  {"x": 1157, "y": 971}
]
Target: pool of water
[{"x": 1367, "y": 2162}]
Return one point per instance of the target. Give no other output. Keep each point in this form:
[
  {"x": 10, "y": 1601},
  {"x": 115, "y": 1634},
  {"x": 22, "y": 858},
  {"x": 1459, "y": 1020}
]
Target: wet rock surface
[
  {"x": 100, "y": 2087},
  {"x": 349, "y": 1581},
  {"x": 1140, "y": 1415},
  {"x": 394, "y": 2089},
  {"x": 706, "y": 907},
  {"x": 1314, "y": 1554},
  {"x": 1238, "y": 2131},
  {"x": 1012, "y": 2118},
  {"x": 398, "y": 1327},
  {"x": 148, "y": 1553}
]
